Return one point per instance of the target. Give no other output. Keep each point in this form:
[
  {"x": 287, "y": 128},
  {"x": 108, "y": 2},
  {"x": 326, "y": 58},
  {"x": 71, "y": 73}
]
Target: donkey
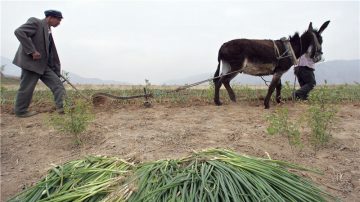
[{"x": 265, "y": 57}]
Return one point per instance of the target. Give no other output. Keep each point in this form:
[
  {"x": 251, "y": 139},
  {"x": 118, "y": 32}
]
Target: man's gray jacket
[{"x": 34, "y": 36}]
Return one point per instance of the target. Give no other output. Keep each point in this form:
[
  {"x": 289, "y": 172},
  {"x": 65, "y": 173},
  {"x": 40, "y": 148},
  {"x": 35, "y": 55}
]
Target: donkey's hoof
[{"x": 267, "y": 107}]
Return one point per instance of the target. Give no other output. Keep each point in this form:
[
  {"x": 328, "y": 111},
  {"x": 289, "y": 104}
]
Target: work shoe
[
  {"x": 298, "y": 97},
  {"x": 26, "y": 114}
]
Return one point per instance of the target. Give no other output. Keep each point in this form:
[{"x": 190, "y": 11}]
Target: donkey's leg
[
  {"x": 217, "y": 83},
  {"x": 278, "y": 92},
  {"x": 274, "y": 83},
  {"x": 230, "y": 91}
]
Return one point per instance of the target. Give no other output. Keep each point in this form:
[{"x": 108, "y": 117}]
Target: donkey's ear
[
  {"x": 310, "y": 27},
  {"x": 323, "y": 27}
]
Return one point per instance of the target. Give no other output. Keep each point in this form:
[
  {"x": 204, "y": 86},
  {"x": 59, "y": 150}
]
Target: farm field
[{"x": 172, "y": 128}]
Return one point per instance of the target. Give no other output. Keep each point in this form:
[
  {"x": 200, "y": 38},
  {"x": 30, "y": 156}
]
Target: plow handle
[{"x": 67, "y": 81}]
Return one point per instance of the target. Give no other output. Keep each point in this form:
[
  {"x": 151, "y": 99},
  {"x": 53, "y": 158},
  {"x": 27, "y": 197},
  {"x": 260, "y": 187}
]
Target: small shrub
[
  {"x": 281, "y": 125},
  {"x": 249, "y": 93},
  {"x": 210, "y": 91},
  {"x": 319, "y": 121},
  {"x": 324, "y": 95},
  {"x": 287, "y": 90},
  {"x": 320, "y": 115},
  {"x": 78, "y": 115},
  {"x": 2, "y": 92}
]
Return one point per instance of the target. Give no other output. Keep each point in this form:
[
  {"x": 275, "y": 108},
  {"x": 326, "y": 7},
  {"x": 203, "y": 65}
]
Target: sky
[{"x": 133, "y": 40}]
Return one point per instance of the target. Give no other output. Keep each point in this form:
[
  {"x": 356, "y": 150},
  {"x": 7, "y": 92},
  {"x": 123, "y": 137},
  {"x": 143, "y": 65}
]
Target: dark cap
[{"x": 53, "y": 13}]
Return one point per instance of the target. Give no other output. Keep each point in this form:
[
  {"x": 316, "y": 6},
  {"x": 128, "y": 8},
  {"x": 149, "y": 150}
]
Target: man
[
  {"x": 38, "y": 58},
  {"x": 305, "y": 75}
]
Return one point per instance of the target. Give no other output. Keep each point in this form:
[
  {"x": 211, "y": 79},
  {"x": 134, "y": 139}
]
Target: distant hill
[
  {"x": 76, "y": 79},
  {"x": 334, "y": 72},
  {"x": 8, "y": 79},
  {"x": 11, "y": 70},
  {"x": 338, "y": 71}
]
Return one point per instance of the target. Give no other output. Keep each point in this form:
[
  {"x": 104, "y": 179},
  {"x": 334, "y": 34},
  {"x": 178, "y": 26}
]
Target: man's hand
[{"x": 36, "y": 55}]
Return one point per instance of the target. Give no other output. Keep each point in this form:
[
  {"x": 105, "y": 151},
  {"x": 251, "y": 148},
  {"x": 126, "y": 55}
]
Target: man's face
[{"x": 54, "y": 21}]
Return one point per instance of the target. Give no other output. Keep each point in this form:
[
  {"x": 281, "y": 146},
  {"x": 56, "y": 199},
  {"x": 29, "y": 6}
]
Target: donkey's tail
[{"x": 217, "y": 73}]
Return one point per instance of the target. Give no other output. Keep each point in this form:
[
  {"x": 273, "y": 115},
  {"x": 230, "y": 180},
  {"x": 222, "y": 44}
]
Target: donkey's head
[{"x": 311, "y": 41}]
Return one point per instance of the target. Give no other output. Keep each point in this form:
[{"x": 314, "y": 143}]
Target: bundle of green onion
[
  {"x": 210, "y": 175},
  {"x": 90, "y": 179},
  {"x": 221, "y": 175}
]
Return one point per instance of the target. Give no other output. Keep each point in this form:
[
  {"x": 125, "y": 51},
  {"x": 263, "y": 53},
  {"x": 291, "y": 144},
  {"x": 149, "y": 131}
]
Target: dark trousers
[
  {"x": 28, "y": 82},
  {"x": 306, "y": 78}
]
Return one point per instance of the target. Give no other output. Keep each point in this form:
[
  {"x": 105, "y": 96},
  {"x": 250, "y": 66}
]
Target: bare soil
[{"x": 29, "y": 147}]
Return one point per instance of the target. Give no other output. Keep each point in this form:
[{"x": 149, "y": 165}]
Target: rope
[
  {"x": 293, "y": 91},
  {"x": 120, "y": 97},
  {"x": 279, "y": 57},
  {"x": 200, "y": 82},
  {"x": 276, "y": 49},
  {"x": 171, "y": 91},
  {"x": 266, "y": 82}
]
